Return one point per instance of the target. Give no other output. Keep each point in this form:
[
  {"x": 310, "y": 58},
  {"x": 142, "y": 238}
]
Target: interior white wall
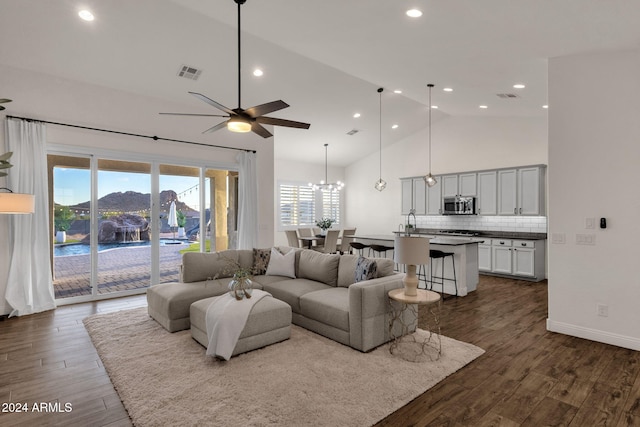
[
  {"x": 40, "y": 96},
  {"x": 594, "y": 129},
  {"x": 458, "y": 144},
  {"x": 292, "y": 171}
]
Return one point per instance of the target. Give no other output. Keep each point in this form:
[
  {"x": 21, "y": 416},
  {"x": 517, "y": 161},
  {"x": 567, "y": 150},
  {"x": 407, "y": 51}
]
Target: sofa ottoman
[{"x": 269, "y": 322}]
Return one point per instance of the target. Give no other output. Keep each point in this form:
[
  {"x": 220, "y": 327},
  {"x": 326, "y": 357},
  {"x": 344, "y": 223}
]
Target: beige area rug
[{"x": 166, "y": 379}]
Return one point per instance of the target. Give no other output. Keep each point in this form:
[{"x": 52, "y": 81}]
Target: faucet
[{"x": 412, "y": 213}]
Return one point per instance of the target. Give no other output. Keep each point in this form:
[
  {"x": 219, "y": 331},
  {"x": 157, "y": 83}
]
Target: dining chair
[
  {"x": 305, "y": 232},
  {"x": 330, "y": 242},
  {"x": 292, "y": 238},
  {"x": 345, "y": 241}
]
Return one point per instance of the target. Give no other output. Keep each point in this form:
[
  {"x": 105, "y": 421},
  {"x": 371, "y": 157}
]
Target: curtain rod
[{"x": 154, "y": 137}]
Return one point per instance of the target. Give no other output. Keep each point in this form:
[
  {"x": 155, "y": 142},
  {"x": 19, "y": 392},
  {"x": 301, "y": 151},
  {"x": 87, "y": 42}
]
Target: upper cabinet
[
  {"x": 459, "y": 185},
  {"x": 414, "y": 196},
  {"x": 422, "y": 199},
  {"x": 516, "y": 191},
  {"x": 521, "y": 191},
  {"x": 487, "y": 193}
]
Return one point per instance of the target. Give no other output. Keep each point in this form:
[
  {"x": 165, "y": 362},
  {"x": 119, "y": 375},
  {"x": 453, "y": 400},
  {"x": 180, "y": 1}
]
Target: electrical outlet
[
  {"x": 589, "y": 223},
  {"x": 602, "y": 310}
]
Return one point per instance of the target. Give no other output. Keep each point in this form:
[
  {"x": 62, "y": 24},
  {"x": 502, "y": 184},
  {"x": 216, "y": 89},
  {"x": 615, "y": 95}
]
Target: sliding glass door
[{"x": 127, "y": 223}]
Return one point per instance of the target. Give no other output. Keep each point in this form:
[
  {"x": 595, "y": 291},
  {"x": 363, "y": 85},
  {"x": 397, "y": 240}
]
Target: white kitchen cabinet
[
  {"x": 449, "y": 185},
  {"x": 487, "y": 193},
  {"x": 507, "y": 192},
  {"x": 501, "y": 261},
  {"x": 434, "y": 198},
  {"x": 519, "y": 258},
  {"x": 484, "y": 256},
  {"x": 459, "y": 185},
  {"x": 414, "y": 196},
  {"x": 520, "y": 191}
]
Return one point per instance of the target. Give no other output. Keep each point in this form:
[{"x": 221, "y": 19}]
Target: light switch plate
[
  {"x": 589, "y": 223},
  {"x": 558, "y": 238}
]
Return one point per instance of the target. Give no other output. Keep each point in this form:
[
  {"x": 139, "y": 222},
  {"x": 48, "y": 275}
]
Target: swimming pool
[{"x": 83, "y": 249}]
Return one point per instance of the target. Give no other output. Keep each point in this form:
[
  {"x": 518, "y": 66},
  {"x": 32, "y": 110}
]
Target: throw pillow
[
  {"x": 319, "y": 267},
  {"x": 261, "y": 261},
  {"x": 282, "y": 265},
  {"x": 365, "y": 269}
]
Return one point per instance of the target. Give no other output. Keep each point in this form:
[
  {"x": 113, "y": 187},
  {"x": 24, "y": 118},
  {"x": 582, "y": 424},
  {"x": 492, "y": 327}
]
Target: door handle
[{"x": 515, "y": 210}]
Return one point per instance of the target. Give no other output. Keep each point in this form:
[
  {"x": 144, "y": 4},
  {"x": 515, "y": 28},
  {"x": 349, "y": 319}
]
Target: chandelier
[{"x": 325, "y": 185}]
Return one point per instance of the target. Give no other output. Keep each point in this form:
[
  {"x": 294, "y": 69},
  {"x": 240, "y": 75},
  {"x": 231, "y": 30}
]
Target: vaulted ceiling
[{"x": 325, "y": 58}]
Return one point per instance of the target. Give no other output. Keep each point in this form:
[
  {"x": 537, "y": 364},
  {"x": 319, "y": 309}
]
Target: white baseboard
[{"x": 594, "y": 335}]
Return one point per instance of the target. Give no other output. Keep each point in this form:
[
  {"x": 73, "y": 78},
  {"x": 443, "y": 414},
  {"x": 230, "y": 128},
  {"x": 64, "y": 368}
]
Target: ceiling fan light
[
  {"x": 430, "y": 180},
  {"x": 238, "y": 124}
]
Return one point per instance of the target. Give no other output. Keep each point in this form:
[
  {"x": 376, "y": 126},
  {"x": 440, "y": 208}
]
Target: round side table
[{"x": 414, "y": 347}]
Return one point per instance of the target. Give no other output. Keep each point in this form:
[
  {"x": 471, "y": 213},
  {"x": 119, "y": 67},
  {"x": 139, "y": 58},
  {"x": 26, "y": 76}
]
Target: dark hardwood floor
[{"x": 527, "y": 377}]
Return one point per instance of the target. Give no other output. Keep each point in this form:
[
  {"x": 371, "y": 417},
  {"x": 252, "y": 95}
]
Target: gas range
[{"x": 464, "y": 233}]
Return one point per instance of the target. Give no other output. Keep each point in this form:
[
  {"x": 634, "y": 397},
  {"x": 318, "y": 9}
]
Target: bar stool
[
  {"x": 436, "y": 254},
  {"x": 358, "y": 246},
  {"x": 380, "y": 251}
]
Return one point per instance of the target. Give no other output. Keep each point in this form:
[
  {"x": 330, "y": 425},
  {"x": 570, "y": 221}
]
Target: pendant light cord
[
  {"x": 380, "y": 130},
  {"x": 326, "y": 169},
  {"x": 240, "y": 2},
  {"x": 429, "y": 86}
]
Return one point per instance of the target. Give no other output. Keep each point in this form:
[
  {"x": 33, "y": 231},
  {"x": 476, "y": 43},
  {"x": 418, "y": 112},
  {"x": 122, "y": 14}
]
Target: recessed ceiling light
[
  {"x": 356, "y": 115},
  {"x": 394, "y": 127},
  {"x": 447, "y": 89},
  {"x": 258, "y": 72},
  {"x": 545, "y": 106},
  {"x": 484, "y": 107},
  {"x": 397, "y": 91},
  {"x": 518, "y": 86},
  {"x": 86, "y": 15},
  {"x": 414, "y": 13},
  {"x": 434, "y": 106}
]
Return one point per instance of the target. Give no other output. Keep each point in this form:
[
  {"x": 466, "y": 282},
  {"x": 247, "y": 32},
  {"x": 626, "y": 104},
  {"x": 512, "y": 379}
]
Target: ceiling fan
[
  {"x": 2, "y": 101},
  {"x": 250, "y": 119}
]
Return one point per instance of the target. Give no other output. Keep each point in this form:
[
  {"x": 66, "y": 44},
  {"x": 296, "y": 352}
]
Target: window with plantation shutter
[{"x": 300, "y": 206}]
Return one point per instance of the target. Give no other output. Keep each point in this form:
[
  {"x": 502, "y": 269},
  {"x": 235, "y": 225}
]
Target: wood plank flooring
[{"x": 527, "y": 377}]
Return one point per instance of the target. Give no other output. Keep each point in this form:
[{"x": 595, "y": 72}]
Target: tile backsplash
[{"x": 524, "y": 224}]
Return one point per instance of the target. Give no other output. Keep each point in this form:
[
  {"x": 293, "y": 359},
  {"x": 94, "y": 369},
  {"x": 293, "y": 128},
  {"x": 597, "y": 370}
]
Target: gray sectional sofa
[{"x": 323, "y": 296}]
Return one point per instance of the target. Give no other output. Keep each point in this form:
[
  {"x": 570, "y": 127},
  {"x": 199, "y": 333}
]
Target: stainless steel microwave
[{"x": 459, "y": 205}]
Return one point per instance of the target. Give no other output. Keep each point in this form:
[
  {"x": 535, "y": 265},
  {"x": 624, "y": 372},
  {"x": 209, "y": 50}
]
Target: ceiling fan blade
[
  {"x": 211, "y": 102},
  {"x": 269, "y": 107},
  {"x": 3, "y": 100},
  {"x": 282, "y": 122},
  {"x": 260, "y": 130},
  {"x": 189, "y": 114},
  {"x": 216, "y": 127}
]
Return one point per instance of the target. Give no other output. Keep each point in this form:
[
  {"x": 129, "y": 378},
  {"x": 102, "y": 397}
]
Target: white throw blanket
[{"x": 226, "y": 318}]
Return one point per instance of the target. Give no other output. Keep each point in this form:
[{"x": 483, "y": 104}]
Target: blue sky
[{"x": 73, "y": 186}]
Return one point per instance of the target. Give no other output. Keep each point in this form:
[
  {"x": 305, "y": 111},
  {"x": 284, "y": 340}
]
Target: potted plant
[
  {"x": 62, "y": 219},
  {"x": 181, "y": 219},
  {"x": 324, "y": 224}
]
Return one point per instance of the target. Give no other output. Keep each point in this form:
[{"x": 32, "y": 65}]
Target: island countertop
[{"x": 438, "y": 240}]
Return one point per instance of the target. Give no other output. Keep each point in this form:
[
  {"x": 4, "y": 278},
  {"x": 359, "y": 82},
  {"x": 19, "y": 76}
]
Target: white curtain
[
  {"x": 29, "y": 283},
  {"x": 247, "y": 201}
]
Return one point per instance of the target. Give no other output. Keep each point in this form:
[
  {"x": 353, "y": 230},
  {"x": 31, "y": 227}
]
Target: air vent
[
  {"x": 507, "y": 95},
  {"x": 353, "y": 132},
  {"x": 188, "y": 72}
]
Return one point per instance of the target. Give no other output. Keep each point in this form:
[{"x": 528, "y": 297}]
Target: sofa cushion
[
  {"x": 282, "y": 265},
  {"x": 366, "y": 269},
  {"x": 290, "y": 290},
  {"x": 329, "y": 306},
  {"x": 385, "y": 267},
  {"x": 319, "y": 267},
  {"x": 261, "y": 260},
  {"x": 198, "y": 266}
]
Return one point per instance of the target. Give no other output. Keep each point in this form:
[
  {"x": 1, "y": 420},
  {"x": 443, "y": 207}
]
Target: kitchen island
[{"x": 465, "y": 250}]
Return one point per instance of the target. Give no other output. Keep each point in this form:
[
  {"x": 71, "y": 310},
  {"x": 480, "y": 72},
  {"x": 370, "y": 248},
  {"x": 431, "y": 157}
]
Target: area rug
[{"x": 165, "y": 378}]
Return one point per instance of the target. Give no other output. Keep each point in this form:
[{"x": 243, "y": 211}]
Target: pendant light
[
  {"x": 325, "y": 185},
  {"x": 380, "y": 184},
  {"x": 429, "y": 179}
]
